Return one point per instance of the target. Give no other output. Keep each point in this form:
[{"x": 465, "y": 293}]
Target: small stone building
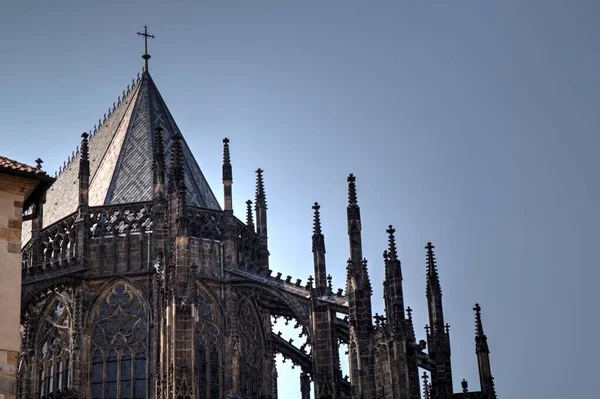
[{"x": 20, "y": 186}]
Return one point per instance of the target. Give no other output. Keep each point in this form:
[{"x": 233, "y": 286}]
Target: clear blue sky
[{"x": 471, "y": 124}]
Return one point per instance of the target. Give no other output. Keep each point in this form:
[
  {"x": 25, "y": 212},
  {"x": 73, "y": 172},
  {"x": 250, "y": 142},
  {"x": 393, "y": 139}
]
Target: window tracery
[
  {"x": 54, "y": 350},
  {"x": 251, "y": 349},
  {"x": 119, "y": 349},
  {"x": 208, "y": 338}
]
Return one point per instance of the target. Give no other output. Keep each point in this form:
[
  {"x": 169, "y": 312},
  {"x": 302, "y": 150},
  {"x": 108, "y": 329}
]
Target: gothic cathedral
[{"x": 137, "y": 284}]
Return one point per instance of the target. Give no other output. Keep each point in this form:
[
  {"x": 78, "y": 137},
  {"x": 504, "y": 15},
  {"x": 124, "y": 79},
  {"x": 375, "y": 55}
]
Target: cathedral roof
[{"x": 120, "y": 154}]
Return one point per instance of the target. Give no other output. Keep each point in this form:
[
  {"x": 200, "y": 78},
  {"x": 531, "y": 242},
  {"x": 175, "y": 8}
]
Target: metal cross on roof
[{"x": 146, "y": 35}]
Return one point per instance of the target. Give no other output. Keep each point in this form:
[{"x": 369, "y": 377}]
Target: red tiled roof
[{"x": 9, "y": 165}]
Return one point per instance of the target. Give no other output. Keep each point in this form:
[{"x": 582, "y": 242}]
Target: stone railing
[
  {"x": 54, "y": 249},
  {"x": 121, "y": 219}
]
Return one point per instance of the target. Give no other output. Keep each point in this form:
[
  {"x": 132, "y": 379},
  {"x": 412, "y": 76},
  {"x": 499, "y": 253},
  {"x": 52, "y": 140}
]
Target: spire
[
  {"x": 177, "y": 178},
  {"x": 393, "y": 291},
  {"x": 434, "y": 292},
  {"x": 261, "y": 198},
  {"x": 439, "y": 338},
  {"x": 426, "y": 386},
  {"x": 392, "y": 251},
  {"x": 318, "y": 249},
  {"x": 84, "y": 174},
  {"x": 260, "y": 205},
  {"x": 146, "y": 56},
  {"x": 433, "y": 279},
  {"x": 352, "y": 200},
  {"x": 354, "y": 222},
  {"x": 480, "y": 337},
  {"x": 411, "y": 326},
  {"x": 483, "y": 356},
  {"x": 227, "y": 176},
  {"x": 249, "y": 216},
  {"x": 158, "y": 164}
]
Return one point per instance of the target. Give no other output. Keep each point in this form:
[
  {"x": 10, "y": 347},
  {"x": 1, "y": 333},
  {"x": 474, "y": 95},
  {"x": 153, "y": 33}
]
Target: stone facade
[
  {"x": 158, "y": 297},
  {"x": 18, "y": 184}
]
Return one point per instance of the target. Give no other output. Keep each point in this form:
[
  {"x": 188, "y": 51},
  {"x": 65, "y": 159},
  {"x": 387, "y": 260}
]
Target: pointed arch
[
  {"x": 209, "y": 343},
  {"x": 54, "y": 347},
  {"x": 119, "y": 324},
  {"x": 252, "y": 346}
]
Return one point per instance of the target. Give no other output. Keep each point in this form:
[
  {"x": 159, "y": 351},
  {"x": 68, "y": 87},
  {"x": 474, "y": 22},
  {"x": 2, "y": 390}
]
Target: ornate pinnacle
[
  {"x": 317, "y": 219},
  {"x": 481, "y": 345},
  {"x": 410, "y": 323},
  {"x": 84, "y": 163},
  {"x": 159, "y": 146},
  {"x": 433, "y": 279},
  {"x": 465, "y": 386},
  {"x": 426, "y": 387},
  {"x": 177, "y": 175},
  {"x": 392, "y": 243},
  {"x": 249, "y": 215},
  {"x": 261, "y": 198},
  {"x": 227, "y": 173},
  {"x": 352, "y": 190}
]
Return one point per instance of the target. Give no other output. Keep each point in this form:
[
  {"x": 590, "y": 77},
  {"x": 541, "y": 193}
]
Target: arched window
[
  {"x": 252, "y": 344},
  {"x": 119, "y": 352},
  {"x": 208, "y": 340},
  {"x": 54, "y": 350}
]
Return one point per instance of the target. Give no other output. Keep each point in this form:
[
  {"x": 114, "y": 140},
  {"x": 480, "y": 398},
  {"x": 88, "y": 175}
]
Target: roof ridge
[
  {"x": 126, "y": 94},
  {"x": 9, "y": 163}
]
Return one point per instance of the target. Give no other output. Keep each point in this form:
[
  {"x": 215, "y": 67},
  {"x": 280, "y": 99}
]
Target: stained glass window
[
  {"x": 54, "y": 349},
  {"x": 119, "y": 332}
]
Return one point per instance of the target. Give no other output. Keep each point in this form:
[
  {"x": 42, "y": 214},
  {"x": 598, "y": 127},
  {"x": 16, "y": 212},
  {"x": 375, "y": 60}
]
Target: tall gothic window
[
  {"x": 54, "y": 350},
  {"x": 208, "y": 340},
  {"x": 119, "y": 348},
  {"x": 251, "y": 349}
]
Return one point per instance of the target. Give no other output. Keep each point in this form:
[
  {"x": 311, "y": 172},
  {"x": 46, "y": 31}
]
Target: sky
[{"x": 473, "y": 125}]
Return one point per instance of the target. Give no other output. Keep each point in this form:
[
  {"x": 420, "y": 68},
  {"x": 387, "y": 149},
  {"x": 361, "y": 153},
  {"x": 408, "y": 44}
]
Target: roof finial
[
  {"x": 317, "y": 219},
  {"x": 261, "y": 198},
  {"x": 433, "y": 279},
  {"x": 227, "y": 172},
  {"x": 426, "y": 386},
  {"x": 465, "y": 386},
  {"x": 481, "y": 344},
  {"x": 38, "y": 163},
  {"x": 352, "y": 190},
  {"x": 392, "y": 243},
  {"x": 146, "y": 56}
]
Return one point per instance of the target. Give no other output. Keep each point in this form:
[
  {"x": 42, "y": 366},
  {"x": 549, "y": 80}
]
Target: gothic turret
[
  {"x": 318, "y": 249},
  {"x": 392, "y": 287},
  {"x": 177, "y": 190},
  {"x": 483, "y": 356},
  {"x": 158, "y": 165},
  {"x": 84, "y": 175},
  {"x": 249, "y": 216},
  {"x": 260, "y": 205},
  {"x": 227, "y": 177},
  {"x": 327, "y": 374},
  {"x": 439, "y": 336},
  {"x": 358, "y": 289}
]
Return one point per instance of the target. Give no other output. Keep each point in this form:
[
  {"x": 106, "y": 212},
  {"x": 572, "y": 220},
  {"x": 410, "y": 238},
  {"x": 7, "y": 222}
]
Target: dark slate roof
[{"x": 120, "y": 155}]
